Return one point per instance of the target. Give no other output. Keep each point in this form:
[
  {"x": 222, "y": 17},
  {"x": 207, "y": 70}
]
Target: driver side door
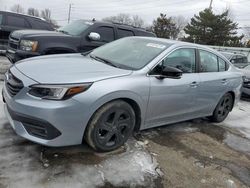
[{"x": 173, "y": 100}]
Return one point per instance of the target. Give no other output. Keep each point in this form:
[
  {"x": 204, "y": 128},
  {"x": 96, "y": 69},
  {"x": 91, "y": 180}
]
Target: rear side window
[
  {"x": 1, "y": 19},
  {"x": 208, "y": 62},
  {"x": 223, "y": 66},
  {"x": 125, "y": 33},
  {"x": 17, "y": 21},
  {"x": 106, "y": 33}
]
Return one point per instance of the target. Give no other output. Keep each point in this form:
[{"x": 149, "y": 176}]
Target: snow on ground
[
  {"x": 239, "y": 118},
  {"x": 24, "y": 164}
]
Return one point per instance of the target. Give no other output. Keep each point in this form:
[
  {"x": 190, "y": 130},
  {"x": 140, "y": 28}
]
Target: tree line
[
  {"x": 205, "y": 28},
  {"x": 45, "y": 14}
]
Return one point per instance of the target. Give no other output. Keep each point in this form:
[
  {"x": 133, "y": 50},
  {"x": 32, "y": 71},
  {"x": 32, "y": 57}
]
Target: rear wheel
[
  {"x": 111, "y": 126},
  {"x": 223, "y": 108}
]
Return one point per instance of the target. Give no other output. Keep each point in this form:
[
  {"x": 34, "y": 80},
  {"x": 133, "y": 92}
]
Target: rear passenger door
[
  {"x": 13, "y": 22},
  {"x": 214, "y": 80}
]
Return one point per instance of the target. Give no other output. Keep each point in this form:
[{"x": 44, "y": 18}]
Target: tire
[
  {"x": 110, "y": 126},
  {"x": 223, "y": 108}
]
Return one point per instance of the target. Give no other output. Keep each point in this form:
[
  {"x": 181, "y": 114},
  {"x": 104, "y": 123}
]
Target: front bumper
[
  {"x": 47, "y": 122},
  {"x": 18, "y": 55}
]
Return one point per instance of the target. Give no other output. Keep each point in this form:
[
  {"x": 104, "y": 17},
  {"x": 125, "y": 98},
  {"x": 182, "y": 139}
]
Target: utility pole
[
  {"x": 70, "y": 7},
  {"x": 210, "y": 6}
]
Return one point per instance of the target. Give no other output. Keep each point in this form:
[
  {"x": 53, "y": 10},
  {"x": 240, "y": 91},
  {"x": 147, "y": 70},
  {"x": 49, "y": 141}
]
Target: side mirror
[
  {"x": 94, "y": 36},
  {"x": 171, "y": 72}
]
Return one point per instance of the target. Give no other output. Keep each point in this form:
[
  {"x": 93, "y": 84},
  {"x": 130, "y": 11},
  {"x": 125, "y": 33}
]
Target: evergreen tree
[
  {"x": 165, "y": 27},
  {"x": 211, "y": 29}
]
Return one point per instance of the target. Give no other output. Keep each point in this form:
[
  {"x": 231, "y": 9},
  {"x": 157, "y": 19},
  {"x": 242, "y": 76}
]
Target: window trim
[{"x": 165, "y": 56}]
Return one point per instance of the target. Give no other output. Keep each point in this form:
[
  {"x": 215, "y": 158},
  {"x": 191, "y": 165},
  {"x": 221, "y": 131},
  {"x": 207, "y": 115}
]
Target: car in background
[
  {"x": 237, "y": 59},
  {"x": 131, "y": 84},
  {"x": 78, "y": 36},
  {"x": 10, "y": 21},
  {"x": 246, "y": 82}
]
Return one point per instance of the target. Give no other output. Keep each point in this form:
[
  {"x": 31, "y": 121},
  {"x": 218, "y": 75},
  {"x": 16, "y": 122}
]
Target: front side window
[
  {"x": 208, "y": 62},
  {"x": 106, "y": 33},
  {"x": 183, "y": 59},
  {"x": 17, "y": 21}
]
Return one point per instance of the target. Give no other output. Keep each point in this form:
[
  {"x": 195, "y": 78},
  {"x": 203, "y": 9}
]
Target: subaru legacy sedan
[{"x": 128, "y": 85}]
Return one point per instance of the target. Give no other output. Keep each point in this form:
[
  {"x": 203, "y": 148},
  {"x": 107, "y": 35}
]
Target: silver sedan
[{"x": 128, "y": 85}]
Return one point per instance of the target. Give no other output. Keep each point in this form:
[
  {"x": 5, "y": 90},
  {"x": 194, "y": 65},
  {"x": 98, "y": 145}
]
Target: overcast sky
[{"x": 147, "y": 9}]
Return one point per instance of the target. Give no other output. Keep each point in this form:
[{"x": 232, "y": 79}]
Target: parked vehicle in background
[
  {"x": 130, "y": 84},
  {"x": 237, "y": 59},
  {"x": 78, "y": 36},
  {"x": 246, "y": 82},
  {"x": 10, "y": 21}
]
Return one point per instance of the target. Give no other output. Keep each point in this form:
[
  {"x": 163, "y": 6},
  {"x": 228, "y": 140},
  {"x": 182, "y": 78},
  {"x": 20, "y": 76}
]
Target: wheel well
[
  {"x": 233, "y": 95},
  {"x": 137, "y": 111}
]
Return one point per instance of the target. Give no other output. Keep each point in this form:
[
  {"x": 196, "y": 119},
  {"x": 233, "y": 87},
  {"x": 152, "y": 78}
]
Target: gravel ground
[{"x": 189, "y": 154}]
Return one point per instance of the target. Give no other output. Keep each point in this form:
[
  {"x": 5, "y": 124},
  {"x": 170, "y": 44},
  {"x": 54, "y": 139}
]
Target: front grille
[
  {"x": 13, "y": 43},
  {"x": 13, "y": 46},
  {"x": 13, "y": 84}
]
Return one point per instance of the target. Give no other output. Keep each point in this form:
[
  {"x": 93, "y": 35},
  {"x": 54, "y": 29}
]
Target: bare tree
[
  {"x": 33, "y": 12},
  {"x": 133, "y": 20},
  {"x": 180, "y": 23},
  {"x": 17, "y": 8},
  {"x": 137, "y": 21},
  {"x": 46, "y": 14}
]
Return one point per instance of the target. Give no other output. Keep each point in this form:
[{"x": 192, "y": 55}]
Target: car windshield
[
  {"x": 130, "y": 53},
  {"x": 75, "y": 28}
]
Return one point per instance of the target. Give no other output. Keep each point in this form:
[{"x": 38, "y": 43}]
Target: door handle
[{"x": 194, "y": 85}]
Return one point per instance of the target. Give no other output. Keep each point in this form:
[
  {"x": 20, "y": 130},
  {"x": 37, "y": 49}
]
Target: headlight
[
  {"x": 28, "y": 45},
  {"x": 57, "y": 92}
]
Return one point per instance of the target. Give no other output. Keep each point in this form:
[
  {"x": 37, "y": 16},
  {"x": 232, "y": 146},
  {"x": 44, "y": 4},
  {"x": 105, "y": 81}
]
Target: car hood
[
  {"x": 67, "y": 68},
  {"x": 35, "y": 33}
]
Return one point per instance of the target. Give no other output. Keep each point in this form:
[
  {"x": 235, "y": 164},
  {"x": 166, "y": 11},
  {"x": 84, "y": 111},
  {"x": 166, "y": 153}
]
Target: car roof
[
  {"x": 117, "y": 24},
  {"x": 177, "y": 42}
]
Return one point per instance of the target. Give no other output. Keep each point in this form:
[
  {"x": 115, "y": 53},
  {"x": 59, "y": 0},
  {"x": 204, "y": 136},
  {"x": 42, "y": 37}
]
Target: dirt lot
[{"x": 189, "y": 154}]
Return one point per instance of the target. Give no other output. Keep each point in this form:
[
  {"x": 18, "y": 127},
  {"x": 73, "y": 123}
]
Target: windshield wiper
[
  {"x": 103, "y": 60},
  {"x": 65, "y": 32}
]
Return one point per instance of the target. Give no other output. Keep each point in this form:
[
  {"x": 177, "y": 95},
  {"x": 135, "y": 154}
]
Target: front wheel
[
  {"x": 223, "y": 108},
  {"x": 111, "y": 126}
]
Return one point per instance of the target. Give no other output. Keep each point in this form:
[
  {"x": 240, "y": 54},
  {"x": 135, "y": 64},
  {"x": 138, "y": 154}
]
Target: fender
[{"x": 142, "y": 104}]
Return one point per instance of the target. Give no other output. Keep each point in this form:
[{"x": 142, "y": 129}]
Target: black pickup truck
[{"x": 78, "y": 36}]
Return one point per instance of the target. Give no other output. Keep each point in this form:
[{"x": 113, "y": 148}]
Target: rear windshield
[
  {"x": 75, "y": 28},
  {"x": 131, "y": 52}
]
